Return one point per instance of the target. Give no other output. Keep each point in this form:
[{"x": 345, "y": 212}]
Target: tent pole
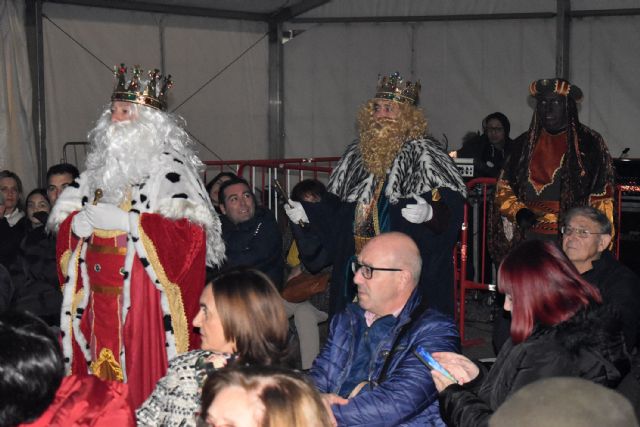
[
  {"x": 35, "y": 47},
  {"x": 276, "y": 91},
  {"x": 563, "y": 32}
]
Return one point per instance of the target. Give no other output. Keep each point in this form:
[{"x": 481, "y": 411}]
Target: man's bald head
[
  {"x": 403, "y": 250},
  {"x": 395, "y": 264}
]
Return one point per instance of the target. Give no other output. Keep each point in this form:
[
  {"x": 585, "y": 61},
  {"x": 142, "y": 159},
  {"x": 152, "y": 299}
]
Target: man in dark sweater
[{"x": 586, "y": 235}]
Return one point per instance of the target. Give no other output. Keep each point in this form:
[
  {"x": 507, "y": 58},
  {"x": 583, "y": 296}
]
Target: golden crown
[
  {"x": 395, "y": 88},
  {"x": 152, "y": 92}
]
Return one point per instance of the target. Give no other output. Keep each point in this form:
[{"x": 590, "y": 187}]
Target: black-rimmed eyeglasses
[{"x": 367, "y": 270}]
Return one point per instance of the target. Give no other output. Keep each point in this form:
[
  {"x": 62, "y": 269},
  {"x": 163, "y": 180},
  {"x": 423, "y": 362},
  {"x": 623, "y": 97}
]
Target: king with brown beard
[{"x": 394, "y": 178}]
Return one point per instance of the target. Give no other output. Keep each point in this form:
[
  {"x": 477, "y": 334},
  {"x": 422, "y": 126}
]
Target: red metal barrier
[
  {"x": 477, "y": 190},
  {"x": 261, "y": 173}
]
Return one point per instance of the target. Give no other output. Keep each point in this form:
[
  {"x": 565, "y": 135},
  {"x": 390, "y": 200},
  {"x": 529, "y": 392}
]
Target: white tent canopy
[{"x": 247, "y": 97}]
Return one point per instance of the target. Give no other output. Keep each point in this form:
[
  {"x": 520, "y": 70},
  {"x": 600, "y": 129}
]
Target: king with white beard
[{"x": 135, "y": 232}]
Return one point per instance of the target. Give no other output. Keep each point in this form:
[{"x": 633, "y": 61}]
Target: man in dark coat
[
  {"x": 250, "y": 232},
  {"x": 586, "y": 236},
  {"x": 394, "y": 178}
]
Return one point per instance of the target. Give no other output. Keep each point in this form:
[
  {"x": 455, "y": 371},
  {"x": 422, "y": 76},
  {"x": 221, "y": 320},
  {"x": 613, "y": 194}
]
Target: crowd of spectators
[{"x": 383, "y": 230}]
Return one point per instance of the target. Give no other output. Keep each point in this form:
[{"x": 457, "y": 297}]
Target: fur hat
[{"x": 565, "y": 402}]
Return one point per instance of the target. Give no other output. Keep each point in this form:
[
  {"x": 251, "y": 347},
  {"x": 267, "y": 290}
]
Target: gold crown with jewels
[
  {"x": 151, "y": 92},
  {"x": 395, "y": 88}
]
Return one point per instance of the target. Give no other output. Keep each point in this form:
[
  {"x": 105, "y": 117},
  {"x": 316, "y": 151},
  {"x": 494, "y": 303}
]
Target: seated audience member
[
  {"x": 250, "y": 232},
  {"x": 58, "y": 178},
  {"x": 13, "y": 222},
  {"x": 490, "y": 149},
  {"x": 6, "y": 289},
  {"x": 253, "y": 239},
  {"x": 368, "y": 369},
  {"x": 241, "y": 321},
  {"x": 558, "y": 328},
  {"x": 213, "y": 187},
  {"x": 586, "y": 237},
  {"x": 564, "y": 402},
  {"x": 35, "y": 278},
  {"x": 34, "y": 391},
  {"x": 309, "y": 239},
  {"x": 307, "y": 256},
  {"x": 261, "y": 396}
]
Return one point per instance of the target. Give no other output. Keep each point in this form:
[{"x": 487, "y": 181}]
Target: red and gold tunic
[{"x": 132, "y": 346}]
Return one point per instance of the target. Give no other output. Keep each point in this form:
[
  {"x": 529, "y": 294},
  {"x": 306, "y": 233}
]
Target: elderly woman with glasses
[{"x": 558, "y": 328}]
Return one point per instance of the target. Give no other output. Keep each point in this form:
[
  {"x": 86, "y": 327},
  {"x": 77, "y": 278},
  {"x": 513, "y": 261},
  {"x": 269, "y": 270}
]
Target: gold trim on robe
[{"x": 174, "y": 296}]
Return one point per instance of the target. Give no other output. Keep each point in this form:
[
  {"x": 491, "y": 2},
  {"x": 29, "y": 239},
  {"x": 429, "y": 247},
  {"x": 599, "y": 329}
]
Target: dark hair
[
  {"x": 591, "y": 213},
  {"x": 502, "y": 119},
  {"x": 31, "y": 368},
  {"x": 232, "y": 181},
  {"x": 289, "y": 399},
  {"x": 8, "y": 174},
  {"x": 62, "y": 168},
  {"x": 217, "y": 177},
  {"x": 308, "y": 186},
  {"x": 252, "y": 314},
  {"x": 40, "y": 191},
  {"x": 544, "y": 286}
]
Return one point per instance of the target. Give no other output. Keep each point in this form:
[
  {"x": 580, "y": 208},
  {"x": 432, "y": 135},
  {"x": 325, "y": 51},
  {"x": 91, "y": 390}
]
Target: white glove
[
  {"x": 296, "y": 212},
  {"x": 418, "y": 213},
  {"x": 81, "y": 226},
  {"x": 107, "y": 217}
]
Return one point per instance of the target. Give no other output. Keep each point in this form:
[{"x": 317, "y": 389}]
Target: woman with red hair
[{"x": 558, "y": 328}]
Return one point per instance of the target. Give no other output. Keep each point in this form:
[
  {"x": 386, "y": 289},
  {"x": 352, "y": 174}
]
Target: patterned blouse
[{"x": 176, "y": 398}]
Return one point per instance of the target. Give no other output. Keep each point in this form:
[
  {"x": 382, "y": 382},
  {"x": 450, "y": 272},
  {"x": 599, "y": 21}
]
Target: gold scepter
[{"x": 97, "y": 196}]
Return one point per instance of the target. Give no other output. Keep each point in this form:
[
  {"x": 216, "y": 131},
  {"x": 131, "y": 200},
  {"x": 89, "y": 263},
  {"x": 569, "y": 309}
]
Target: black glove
[
  {"x": 526, "y": 218},
  {"x": 41, "y": 216}
]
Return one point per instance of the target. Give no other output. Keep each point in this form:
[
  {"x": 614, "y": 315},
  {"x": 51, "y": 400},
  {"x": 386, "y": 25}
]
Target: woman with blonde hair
[
  {"x": 242, "y": 322},
  {"x": 261, "y": 396}
]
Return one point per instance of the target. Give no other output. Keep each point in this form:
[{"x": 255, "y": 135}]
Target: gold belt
[
  {"x": 111, "y": 250},
  {"x": 103, "y": 289}
]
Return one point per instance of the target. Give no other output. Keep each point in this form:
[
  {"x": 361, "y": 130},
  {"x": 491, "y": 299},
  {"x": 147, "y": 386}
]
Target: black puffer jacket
[
  {"x": 590, "y": 345},
  {"x": 35, "y": 277},
  {"x": 255, "y": 243}
]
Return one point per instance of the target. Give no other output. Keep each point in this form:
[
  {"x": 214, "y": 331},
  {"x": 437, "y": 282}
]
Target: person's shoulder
[
  {"x": 432, "y": 317},
  {"x": 584, "y": 130},
  {"x": 187, "y": 359}
]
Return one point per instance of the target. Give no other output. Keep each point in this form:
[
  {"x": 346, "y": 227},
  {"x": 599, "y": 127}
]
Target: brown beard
[{"x": 380, "y": 141}]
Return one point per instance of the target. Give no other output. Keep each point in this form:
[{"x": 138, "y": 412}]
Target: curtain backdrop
[{"x": 17, "y": 146}]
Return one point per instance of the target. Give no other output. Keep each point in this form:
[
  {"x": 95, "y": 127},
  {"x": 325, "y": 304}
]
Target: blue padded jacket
[{"x": 407, "y": 397}]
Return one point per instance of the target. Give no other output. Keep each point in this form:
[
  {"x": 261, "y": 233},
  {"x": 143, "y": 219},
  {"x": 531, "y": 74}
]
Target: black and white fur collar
[{"x": 420, "y": 166}]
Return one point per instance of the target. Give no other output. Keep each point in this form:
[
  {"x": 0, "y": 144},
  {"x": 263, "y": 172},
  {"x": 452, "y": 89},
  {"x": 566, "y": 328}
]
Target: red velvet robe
[
  {"x": 175, "y": 250},
  {"x": 87, "y": 401}
]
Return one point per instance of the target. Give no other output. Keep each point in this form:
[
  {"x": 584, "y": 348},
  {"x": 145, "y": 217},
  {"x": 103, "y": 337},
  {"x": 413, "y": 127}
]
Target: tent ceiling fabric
[{"x": 468, "y": 68}]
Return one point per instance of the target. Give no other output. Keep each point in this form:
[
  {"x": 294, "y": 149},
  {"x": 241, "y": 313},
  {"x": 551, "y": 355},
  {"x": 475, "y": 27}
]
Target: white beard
[{"x": 121, "y": 155}]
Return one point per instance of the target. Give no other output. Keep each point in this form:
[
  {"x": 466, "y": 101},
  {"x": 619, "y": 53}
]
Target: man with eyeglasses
[
  {"x": 367, "y": 370},
  {"x": 586, "y": 236},
  {"x": 557, "y": 164}
]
